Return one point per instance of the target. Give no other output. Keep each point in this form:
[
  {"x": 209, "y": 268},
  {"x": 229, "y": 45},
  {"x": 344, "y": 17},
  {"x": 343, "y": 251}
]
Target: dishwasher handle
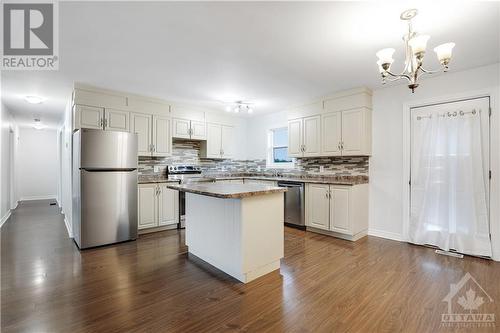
[{"x": 283, "y": 184}]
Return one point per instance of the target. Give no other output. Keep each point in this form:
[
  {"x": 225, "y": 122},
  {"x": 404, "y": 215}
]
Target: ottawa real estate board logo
[
  {"x": 468, "y": 305},
  {"x": 30, "y": 35}
]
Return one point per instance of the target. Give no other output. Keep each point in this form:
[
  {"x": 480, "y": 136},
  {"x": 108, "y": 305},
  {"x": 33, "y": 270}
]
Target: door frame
[{"x": 494, "y": 158}]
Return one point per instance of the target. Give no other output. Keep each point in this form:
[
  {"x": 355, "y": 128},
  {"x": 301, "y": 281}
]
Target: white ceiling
[{"x": 273, "y": 54}]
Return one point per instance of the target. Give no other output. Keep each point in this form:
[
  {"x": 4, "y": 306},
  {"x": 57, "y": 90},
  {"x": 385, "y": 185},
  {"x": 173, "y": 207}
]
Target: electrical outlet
[
  {"x": 157, "y": 168},
  {"x": 321, "y": 168}
]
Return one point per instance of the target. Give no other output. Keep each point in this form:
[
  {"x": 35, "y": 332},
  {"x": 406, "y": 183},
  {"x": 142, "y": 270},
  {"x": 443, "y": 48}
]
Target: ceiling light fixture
[
  {"x": 38, "y": 124},
  {"x": 33, "y": 99},
  {"x": 415, "y": 45},
  {"x": 240, "y": 106}
]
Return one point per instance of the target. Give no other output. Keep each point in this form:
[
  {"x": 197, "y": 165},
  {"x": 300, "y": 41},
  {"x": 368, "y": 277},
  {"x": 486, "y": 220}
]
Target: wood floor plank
[{"x": 153, "y": 285}]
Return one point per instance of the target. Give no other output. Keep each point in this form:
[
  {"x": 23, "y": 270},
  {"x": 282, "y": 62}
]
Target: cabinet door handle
[
  {"x": 105, "y": 123},
  {"x": 101, "y": 123}
]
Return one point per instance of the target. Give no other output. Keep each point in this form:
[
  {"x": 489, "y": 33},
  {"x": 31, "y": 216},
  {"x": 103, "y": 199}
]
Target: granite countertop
[
  {"x": 228, "y": 191},
  {"x": 317, "y": 179},
  {"x": 152, "y": 179}
]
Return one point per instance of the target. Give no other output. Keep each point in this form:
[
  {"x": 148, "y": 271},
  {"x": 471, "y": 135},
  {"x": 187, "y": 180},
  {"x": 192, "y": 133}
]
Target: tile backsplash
[{"x": 188, "y": 152}]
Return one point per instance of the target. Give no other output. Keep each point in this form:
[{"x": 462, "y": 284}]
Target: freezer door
[
  {"x": 108, "y": 207},
  {"x": 107, "y": 149}
]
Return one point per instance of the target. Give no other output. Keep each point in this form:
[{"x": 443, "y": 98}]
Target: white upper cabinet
[
  {"x": 162, "y": 136},
  {"x": 189, "y": 129},
  {"x": 117, "y": 120},
  {"x": 312, "y": 136},
  {"x": 181, "y": 128},
  {"x": 304, "y": 137},
  {"x": 198, "y": 130},
  {"x": 142, "y": 125},
  {"x": 220, "y": 142},
  {"x": 355, "y": 132},
  {"x": 331, "y": 134},
  {"x": 227, "y": 141},
  {"x": 295, "y": 138},
  {"x": 341, "y": 127},
  {"x": 89, "y": 117}
]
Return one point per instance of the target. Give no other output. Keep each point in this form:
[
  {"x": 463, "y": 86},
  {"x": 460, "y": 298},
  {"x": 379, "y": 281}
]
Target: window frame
[{"x": 270, "y": 150}]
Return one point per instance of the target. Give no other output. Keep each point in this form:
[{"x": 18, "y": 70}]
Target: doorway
[{"x": 450, "y": 176}]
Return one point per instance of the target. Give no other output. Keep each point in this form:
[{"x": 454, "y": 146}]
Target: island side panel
[
  {"x": 213, "y": 232},
  {"x": 262, "y": 234}
]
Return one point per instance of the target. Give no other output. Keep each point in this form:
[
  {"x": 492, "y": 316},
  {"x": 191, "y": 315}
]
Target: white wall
[
  {"x": 386, "y": 163},
  {"x": 257, "y": 129},
  {"x": 7, "y": 165},
  {"x": 37, "y": 164},
  {"x": 66, "y": 171}
]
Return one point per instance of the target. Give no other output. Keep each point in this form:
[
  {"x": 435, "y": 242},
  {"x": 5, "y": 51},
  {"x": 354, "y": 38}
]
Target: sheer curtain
[{"x": 448, "y": 192}]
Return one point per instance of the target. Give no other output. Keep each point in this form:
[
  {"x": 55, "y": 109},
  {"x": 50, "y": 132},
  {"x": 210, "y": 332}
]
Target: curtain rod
[{"x": 450, "y": 114}]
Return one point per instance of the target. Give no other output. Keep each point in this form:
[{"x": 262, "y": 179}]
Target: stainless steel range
[{"x": 186, "y": 174}]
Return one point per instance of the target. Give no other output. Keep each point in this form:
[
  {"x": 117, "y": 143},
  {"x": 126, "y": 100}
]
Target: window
[{"x": 278, "y": 149}]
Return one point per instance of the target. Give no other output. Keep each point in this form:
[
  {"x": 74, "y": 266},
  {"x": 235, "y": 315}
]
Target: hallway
[{"x": 326, "y": 284}]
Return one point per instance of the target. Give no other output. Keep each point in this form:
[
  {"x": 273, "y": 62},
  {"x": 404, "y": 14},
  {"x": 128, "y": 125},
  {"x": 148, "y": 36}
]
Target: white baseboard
[
  {"x": 386, "y": 234},
  {"x": 5, "y": 218},
  {"x": 38, "y": 197},
  {"x": 69, "y": 229}
]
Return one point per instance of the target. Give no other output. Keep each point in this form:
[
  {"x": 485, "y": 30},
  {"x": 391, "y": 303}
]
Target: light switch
[{"x": 321, "y": 168}]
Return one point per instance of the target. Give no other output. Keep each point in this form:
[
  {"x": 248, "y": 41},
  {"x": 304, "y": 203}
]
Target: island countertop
[{"x": 228, "y": 191}]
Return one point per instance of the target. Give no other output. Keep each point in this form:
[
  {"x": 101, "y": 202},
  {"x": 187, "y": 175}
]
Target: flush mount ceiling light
[
  {"x": 239, "y": 106},
  {"x": 38, "y": 124},
  {"x": 33, "y": 99},
  {"x": 415, "y": 45}
]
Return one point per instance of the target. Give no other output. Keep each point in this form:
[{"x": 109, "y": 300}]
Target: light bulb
[
  {"x": 418, "y": 43},
  {"x": 444, "y": 52},
  {"x": 385, "y": 56},
  {"x": 228, "y": 108}
]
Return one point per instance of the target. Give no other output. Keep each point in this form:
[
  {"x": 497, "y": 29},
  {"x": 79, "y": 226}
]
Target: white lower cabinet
[
  {"x": 340, "y": 209},
  {"x": 158, "y": 206}
]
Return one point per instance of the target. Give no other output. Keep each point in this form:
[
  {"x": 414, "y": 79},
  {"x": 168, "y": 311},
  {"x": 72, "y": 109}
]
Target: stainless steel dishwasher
[{"x": 294, "y": 204}]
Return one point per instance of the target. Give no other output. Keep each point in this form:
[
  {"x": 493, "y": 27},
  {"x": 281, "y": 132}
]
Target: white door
[
  {"x": 141, "y": 125},
  {"x": 90, "y": 116},
  {"x": 312, "y": 136},
  {"x": 353, "y": 133},
  {"x": 198, "y": 130},
  {"x": 449, "y": 181},
  {"x": 168, "y": 206},
  {"x": 318, "y": 206},
  {"x": 162, "y": 137},
  {"x": 181, "y": 128},
  {"x": 339, "y": 210},
  {"x": 117, "y": 120},
  {"x": 214, "y": 140},
  {"x": 227, "y": 142},
  {"x": 295, "y": 138},
  {"x": 147, "y": 206},
  {"x": 331, "y": 130}
]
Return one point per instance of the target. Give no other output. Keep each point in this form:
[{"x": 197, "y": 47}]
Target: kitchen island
[{"x": 238, "y": 228}]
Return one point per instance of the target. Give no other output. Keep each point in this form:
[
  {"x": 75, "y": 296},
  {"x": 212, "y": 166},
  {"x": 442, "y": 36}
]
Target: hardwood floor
[{"x": 153, "y": 285}]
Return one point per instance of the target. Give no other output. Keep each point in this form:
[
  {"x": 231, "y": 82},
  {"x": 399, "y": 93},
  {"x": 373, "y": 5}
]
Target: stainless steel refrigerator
[{"x": 104, "y": 187}]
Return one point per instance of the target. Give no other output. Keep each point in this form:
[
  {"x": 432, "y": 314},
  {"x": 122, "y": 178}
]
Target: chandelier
[
  {"x": 415, "y": 45},
  {"x": 240, "y": 106}
]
